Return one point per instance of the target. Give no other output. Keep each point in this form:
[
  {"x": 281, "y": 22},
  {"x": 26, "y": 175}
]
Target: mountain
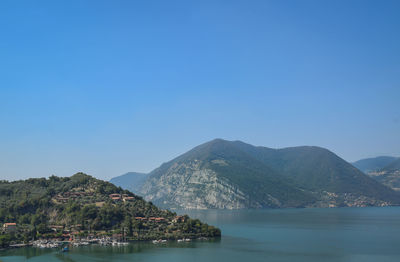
[
  {"x": 131, "y": 181},
  {"x": 80, "y": 205},
  {"x": 219, "y": 175},
  {"x": 233, "y": 174},
  {"x": 373, "y": 164},
  {"x": 389, "y": 175},
  {"x": 393, "y": 166},
  {"x": 384, "y": 169}
]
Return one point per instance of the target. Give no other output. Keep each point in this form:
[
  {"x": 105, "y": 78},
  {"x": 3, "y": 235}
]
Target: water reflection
[{"x": 312, "y": 235}]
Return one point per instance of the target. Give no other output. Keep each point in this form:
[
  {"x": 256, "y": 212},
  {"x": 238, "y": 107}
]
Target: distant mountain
[
  {"x": 393, "y": 166},
  {"x": 389, "y": 175},
  {"x": 384, "y": 169},
  {"x": 131, "y": 181},
  {"x": 373, "y": 164},
  {"x": 233, "y": 174}
]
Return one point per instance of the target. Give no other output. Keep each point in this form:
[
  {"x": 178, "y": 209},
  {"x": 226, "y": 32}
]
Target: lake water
[{"x": 342, "y": 234}]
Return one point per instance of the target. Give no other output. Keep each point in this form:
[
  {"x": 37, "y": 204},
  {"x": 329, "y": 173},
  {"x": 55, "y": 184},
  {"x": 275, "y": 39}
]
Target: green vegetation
[
  {"x": 259, "y": 182},
  {"x": 304, "y": 176},
  {"x": 81, "y": 205}
]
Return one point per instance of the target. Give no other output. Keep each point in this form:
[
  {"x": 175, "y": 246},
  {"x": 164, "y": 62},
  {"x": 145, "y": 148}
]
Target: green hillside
[
  {"x": 82, "y": 205},
  {"x": 319, "y": 169}
]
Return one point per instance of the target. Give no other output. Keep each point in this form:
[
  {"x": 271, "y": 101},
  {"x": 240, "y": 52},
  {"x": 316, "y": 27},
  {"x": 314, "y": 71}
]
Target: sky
[{"x": 108, "y": 87}]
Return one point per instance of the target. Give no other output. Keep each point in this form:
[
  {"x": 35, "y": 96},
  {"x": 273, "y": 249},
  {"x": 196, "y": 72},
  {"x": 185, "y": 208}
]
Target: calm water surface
[{"x": 346, "y": 234}]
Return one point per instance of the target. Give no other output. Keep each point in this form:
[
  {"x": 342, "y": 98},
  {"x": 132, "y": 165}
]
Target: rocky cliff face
[
  {"x": 189, "y": 186},
  {"x": 233, "y": 175}
]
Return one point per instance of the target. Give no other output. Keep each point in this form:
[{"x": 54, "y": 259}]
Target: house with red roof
[{"x": 9, "y": 227}]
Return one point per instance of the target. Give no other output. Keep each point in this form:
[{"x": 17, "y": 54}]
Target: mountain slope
[
  {"x": 394, "y": 166},
  {"x": 389, "y": 175},
  {"x": 225, "y": 174},
  {"x": 373, "y": 164},
  {"x": 385, "y": 170},
  {"x": 318, "y": 169},
  {"x": 131, "y": 181},
  {"x": 218, "y": 175}
]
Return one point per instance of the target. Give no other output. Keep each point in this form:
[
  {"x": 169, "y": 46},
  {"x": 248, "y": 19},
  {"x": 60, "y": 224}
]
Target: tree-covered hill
[
  {"x": 318, "y": 169},
  {"x": 82, "y": 205}
]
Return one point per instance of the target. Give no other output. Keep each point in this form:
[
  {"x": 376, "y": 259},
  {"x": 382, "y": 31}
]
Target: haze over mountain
[
  {"x": 375, "y": 163},
  {"x": 233, "y": 174},
  {"x": 131, "y": 181},
  {"x": 387, "y": 171},
  {"x": 393, "y": 166}
]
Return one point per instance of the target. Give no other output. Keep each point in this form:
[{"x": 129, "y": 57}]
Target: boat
[{"x": 65, "y": 249}]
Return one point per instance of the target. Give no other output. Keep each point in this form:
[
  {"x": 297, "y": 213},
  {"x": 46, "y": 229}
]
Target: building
[
  {"x": 179, "y": 219},
  {"x": 62, "y": 199},
  {"x": 127, "y": 198},
  {"x": 159, "y": 219},
  {"x": 115, "y": 196},
  {"x": 9, "y": 227},
  {"x": 56, "y": 228}
]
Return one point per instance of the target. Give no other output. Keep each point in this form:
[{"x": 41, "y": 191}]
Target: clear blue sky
[{"x": 107, "y": 87}]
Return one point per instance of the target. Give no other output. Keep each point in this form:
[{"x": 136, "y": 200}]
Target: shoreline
[{"x": 54, "y": 244}]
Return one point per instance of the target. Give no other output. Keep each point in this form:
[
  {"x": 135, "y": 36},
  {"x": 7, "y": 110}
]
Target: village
[
  {"x": 75, "y": 235},
  {"x": 81, "y": 210}
]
